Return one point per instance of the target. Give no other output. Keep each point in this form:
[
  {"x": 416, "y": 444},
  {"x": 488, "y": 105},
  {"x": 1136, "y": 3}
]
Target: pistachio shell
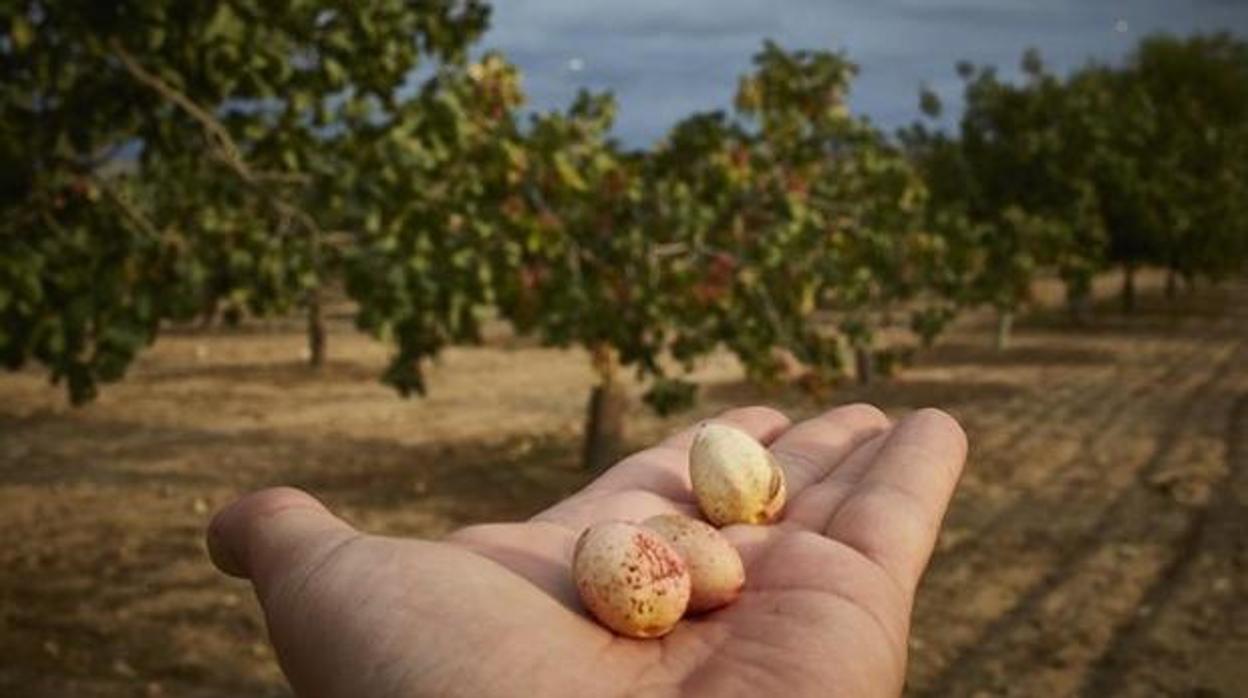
[
  {"x": 630, "y": 579},
  {"x": 716, "y": 573},
  {"x": 735, "y": 479}
]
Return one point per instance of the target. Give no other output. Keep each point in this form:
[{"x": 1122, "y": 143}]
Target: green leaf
[
  {"x": 568, "y": 174},
  {"x": 20, "y": 32}
]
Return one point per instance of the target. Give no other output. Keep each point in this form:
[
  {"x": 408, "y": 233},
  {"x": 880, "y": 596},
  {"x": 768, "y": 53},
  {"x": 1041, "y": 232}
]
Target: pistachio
[
  {"x": 630, "y": 579},
  {"x": 735, "y": 479},
  {"x": 716, "y": 573}
]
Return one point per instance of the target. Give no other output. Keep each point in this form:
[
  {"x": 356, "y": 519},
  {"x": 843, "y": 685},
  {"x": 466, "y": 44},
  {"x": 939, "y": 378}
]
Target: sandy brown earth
[{"x": 1097, "y": 545}]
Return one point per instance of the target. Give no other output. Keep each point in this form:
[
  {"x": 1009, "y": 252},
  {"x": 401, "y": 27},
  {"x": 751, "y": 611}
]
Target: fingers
[
  {"x": 664, "y": 469},
  {"x": 813, "y": 507},
  {"x": 810, "y": 450},
  {"x": 656, "y": 480},
  {"x": 763, "y": 423},
  {"x": 892, "y": 514},
  {"x": 267, "y": 534}
]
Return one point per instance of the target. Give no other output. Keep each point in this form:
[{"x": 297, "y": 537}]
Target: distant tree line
[{"x": 1140, "y": 164}]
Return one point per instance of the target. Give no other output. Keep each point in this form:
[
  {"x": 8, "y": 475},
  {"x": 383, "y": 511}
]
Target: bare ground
[{"x": 1097, "y": 545}]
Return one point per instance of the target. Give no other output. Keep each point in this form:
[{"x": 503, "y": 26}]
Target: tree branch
[
  {"x": 135, "y": 215},
  {"x": 229, "y": 150},
  {"x": 226, "y": 149}
]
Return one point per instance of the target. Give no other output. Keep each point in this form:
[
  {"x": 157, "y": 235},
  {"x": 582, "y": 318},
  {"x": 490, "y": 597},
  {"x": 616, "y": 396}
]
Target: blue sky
[{"x": 666, "y": 59}]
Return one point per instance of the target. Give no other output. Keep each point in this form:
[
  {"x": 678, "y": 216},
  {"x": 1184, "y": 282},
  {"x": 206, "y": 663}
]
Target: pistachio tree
[
  {"x": 833, "y": 219},
  {"x": 1180, "y": 158},
  {"x": 1013, "y": 187},
  {"x": 160, "y": 157},
  {"x": 580, "y": 266}
]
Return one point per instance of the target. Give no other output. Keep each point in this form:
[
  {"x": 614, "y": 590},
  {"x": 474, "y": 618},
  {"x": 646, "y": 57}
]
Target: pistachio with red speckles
[
  {"x": 735, "y": 479},
  {"x": 630, "y": 579},
  {"x": 716, "y": 573}
]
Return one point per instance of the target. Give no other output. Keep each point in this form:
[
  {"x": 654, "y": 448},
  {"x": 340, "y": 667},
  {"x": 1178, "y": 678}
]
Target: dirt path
[
  {"x": 1192, "y": 622},
  {"x": 1097, "y": 545},
  {"x": 1058, "y": 589}
]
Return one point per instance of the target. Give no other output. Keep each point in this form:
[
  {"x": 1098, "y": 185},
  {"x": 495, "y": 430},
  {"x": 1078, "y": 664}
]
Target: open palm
[{"x": 491, "y": 610}]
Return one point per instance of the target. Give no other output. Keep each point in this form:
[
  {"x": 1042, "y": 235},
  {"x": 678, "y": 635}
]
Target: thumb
[{"x": 267, "y": 534}]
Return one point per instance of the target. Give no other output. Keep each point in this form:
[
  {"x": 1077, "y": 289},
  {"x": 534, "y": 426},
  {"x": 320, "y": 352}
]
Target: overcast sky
[{"x": 666, "y": 59}]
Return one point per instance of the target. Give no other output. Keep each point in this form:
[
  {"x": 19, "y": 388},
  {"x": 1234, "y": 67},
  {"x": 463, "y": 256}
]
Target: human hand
[{"x": 492, "y": 611}]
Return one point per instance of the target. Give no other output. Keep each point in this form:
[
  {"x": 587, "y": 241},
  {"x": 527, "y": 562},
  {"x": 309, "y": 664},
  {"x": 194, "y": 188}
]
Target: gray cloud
[
  {"x": 715, "y": 26},
  {"x": 667, "y": 59}
]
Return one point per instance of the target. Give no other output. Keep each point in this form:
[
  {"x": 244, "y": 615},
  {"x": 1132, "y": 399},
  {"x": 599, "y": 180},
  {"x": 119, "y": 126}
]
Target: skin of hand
[{"x": 491, "y": 610}]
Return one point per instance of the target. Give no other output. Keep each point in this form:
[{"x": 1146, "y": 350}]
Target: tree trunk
[
  {"x": 1005, "y": 324},
  {"x": 1080, "y": 308},
  {"x": 604, "y": 418},
  {"x": 1172, "y": 284},
  {"x": 1079, "y": 304},
  {"x": 208, "y": 315},
  {"x": 864, "y": 364},
  {"x": 846, "y": 356},
  {"x": 316, "y": 329},
  {"x": 1128, "y": 287}
]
